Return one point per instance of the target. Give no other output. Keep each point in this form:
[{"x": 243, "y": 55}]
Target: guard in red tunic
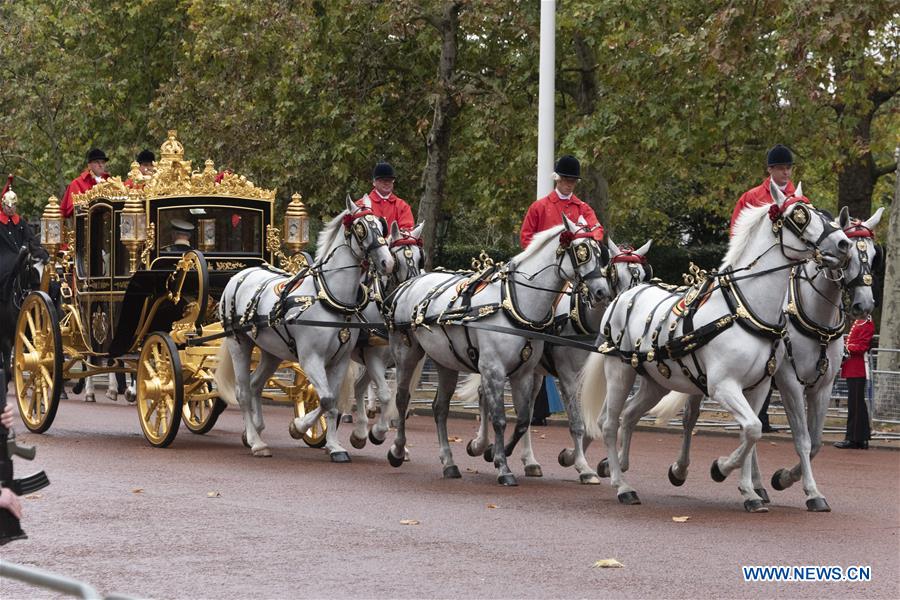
[
  {"x": 94, "y": 173},
  {"x": 548, "y": 211},
  {"x": 384, "y": 202},
  {"x": 779, "y": 162},
  {"x": 858, "y": 342},
  {"x": 146, "y": 165}
]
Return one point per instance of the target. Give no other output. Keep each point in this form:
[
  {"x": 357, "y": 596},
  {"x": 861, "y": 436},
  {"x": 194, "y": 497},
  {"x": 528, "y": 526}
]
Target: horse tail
[
  {"x": 346, "y": 397},
  {"x": 592, "y": 391},
  {"x": 666, "y": 408},
  {"x": 224, "y": 375},
  {"x": 468, "y": 391}
]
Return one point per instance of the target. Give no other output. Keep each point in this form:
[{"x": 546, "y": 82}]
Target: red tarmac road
[{"x": 128, "y": 518}]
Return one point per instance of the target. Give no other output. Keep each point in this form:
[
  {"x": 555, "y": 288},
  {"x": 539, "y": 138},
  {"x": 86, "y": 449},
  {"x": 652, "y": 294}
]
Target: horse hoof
[
  {"x": 295, "y": 433},
  {"x": 589, "y": 479},
  {"x": 762, "y": 493},
  {"x": 508, "y": 480},
  {"x": 533, "y": 471},
  {"x": 674, "y": 479},
  {"x": 370, "y": 413},
  {"x": 374, "y": 439},
  {"x": 78, "y": 387},
  {"x": 777, "y": 479},
  {"x": 489, "y": 453},
  {"x": 470, "y": 448},
  {"x": 566, "y": 457},
  {"x": 262, "y": 453},
  {"x": 89, "y": 398},
  {"x": 755, "y": 506},
  {"x": 395, "y": 462},
  {"x": 603, "y": 468},
  {"x": 244, "y": 440},
  {"x": 357, "y": 442},
  {"x": 130, "y": 397},
  {"x": 629, "y": 498},
  {"x": 340, "y": 457},
  {"x": 112, "y": 396},
  {"x": 715, "y": 473},
  {"x": 452, "y": 472},
  {"x": 817, "y": 505}
]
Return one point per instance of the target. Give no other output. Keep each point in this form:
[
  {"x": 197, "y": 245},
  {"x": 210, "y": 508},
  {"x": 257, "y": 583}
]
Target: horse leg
[
  {"x": 817, "y": 408},
  {"x": 476, "y": 446},
  {"x": 376, "y": 372},
  {"x": 407, "y": 358},
  {"x": 744, "y": 409},
  {"x": 268, "y": 364},
  {"x": 241, "y": 348},
  {"x": 492, "y": 380},
  {"x": 112, "y": 390},
  {"x": 447, "y": 379},
  {"x": 647, "y": 395},
  {"x": 360, "y": 390},
  {"x": 326, "y": 381},
  {"x": 568, "y": 385},
  {"x": 620, "y": 379},
  {"x": 679, "y": 469},
  {"x": 532, "y": 466},
  {"x": 89, "y": 386}
]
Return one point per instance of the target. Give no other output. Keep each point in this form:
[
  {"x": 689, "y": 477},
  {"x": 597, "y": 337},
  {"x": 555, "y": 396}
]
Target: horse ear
[
  {"x": 642, "y": 251},
  {"x": 844, "y": 218},
  {"x": 417, "y": 230},
  {"x": 799, "y": 191},
  {"x": 873, "y": 221},
  {"x": 570, "y": 226},
  {"x": 777, "y": 196},
  {"x": 395, "y": 231},
  {"x": 351, "y": 207},
  {"x": 613, "y": 249}
]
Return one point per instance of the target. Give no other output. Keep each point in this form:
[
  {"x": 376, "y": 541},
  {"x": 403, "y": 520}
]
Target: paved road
[{"x": 132, "y": 519}]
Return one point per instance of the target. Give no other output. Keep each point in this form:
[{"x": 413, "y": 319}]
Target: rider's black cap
[
  {"x": 383, "y": 170},
  {"x": 96, "y": 154},
  {"x": 779, "y": 155},
  {"x": 568, "y": 166},
  {"x": 145, "y": 157}
]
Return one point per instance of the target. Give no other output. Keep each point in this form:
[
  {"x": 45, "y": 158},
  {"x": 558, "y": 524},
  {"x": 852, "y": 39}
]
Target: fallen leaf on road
[
  {"x": 454, "y": 438},
  {"x": 608, "y": 563},
  {"x": 408, "y": 522},
  {"x": 471, "y": 470},
  {"x": 213, "y": 494},
  {"x": 137, "y": 491},
  {"x": 543, "y": 437},
  {"x": 680, "y": 519},
  {"x": 492, "y": 506},
  {"x": 773, "y": 443},
  {"x": 34, "y": 496}
]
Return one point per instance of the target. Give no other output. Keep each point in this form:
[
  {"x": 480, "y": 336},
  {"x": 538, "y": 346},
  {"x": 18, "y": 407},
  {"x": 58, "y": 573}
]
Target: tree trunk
[
  {"x": 856, "y": 181},
  {"x": 887, "y": 400},
  {"x": 437, "y": 141}
]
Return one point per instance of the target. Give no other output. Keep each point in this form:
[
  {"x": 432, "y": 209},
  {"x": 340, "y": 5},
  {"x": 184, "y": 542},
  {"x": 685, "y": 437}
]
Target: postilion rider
[
  {"x": 14, "y": 234},
  {"x": 94, "y": 173},
  {"x": 384, "y": 202}
]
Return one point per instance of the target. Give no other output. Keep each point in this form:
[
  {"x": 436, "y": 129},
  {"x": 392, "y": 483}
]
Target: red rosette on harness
[
  {"x": 407, "y": 240},
  {"x": 350, "y": 217},
  {"x": 566, "y": 237},
  {"x": 628, "y": 255},
  {"x": 776, "y": 212},
  {"x": 856, "y": 229}
]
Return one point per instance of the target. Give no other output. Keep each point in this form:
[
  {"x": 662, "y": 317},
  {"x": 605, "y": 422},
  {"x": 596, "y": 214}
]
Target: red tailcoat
[
  {"x": 394, "y": 210},
  {"x": 79, "y": 185},
  {"x": 858, "y": 342},
  {"x": 757, "y": 197},
  {"x": 548, "y": 211}
]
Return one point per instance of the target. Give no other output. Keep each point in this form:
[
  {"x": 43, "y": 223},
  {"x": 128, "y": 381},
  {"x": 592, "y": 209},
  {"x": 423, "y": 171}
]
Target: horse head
[
  {"x": 857, "y": 277},
  {"x": 628, "y": 267},
  {"x": 365, "y": 234},
  {"x": 406, "y": 250},
  {"x": 804, "y": 231},
  {"x": 587, "y": 259}
]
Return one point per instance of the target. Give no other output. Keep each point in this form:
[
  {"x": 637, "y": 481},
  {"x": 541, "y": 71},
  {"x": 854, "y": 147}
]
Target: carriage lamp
[
  {"x": 133, "y": 228},
  {"x": 51, "y": 226},
  {"x": 296, "y": 225},
  {"x": 207, "y": 233}
]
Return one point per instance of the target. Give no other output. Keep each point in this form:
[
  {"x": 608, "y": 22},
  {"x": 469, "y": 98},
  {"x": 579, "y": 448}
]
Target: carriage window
[
  {"x": 216, "y": 229},
  {"x": 101, "y": 241}
]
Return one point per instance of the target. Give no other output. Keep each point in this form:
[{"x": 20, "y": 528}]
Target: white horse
[
  {"x": 278, "y": 304},
  {"x": 579, "y": 316},
  {"x": 429, "y": 314},
  {"x": 375, "y": 359},
  {"x": 690, "y": 344},
  {"x": 814, "y": 345}
]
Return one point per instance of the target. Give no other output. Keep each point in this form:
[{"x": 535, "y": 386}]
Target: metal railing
[{"x": 51, "y": 581}]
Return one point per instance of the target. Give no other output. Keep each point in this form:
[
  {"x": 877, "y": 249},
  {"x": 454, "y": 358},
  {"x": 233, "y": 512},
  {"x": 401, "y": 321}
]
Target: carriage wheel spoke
[{"x": 28, "y": 345}]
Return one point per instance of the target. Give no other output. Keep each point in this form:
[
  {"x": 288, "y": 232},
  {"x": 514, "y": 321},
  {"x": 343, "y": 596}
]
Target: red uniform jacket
[
  {"x": 394, "y": 209},
  {"x": 548, "y": 211},
  {"x": 79, "y": 185},
  {"x": 858, "y": 342},
  {"x": 757, "y": 197}
]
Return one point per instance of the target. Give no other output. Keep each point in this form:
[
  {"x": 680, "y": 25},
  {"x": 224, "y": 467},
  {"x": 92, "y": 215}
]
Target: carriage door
[{"x": 101, "y": 297}]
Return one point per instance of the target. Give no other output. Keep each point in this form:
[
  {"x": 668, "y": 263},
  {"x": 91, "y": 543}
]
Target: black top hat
[
  {"x": 568, "y": 166},
  {"x": 181, "y": 225},
  {"x": 779, "y": 155},
  {"x": 96, "y": 154},
  {"x": 145, "y": 157},
  {"x": 383, "y": 170}
]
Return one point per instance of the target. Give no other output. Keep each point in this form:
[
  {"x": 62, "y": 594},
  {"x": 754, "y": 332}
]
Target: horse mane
[
  {"x": 537, "y": 243},
  {"x": 328, "y": 235},
  {"x": 747, "y": 222}
]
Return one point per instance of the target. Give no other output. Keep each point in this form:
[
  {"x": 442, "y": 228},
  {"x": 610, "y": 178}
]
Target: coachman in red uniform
[
  {"x": 857, "y": 343},
  {"x": 779, "y": 162},
  {"x": 548, "y": 211},
  {"x": 94, "y": 173},
  {"x": 384, "y": 202}
]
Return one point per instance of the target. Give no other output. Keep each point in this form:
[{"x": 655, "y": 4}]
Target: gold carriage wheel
[
  {"x": 307, "y": 401},
  {"x": 200, "y": 414},
  {"x": 192, "y": 271},
  {"x": 37, "y": 357},
  {"x": 160, "y": 389}
]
